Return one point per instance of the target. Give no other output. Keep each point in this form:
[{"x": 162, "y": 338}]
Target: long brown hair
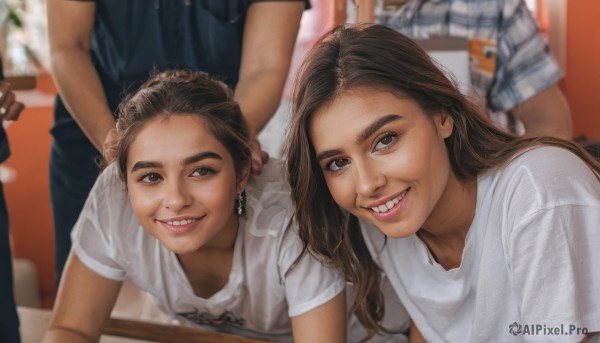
[
  {"x": 378, "y": 57},
  {"x": 190, "y": 93}
]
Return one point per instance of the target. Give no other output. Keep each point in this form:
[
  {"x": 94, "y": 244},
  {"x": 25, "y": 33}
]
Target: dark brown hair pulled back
[{"x": 190, "y": 93}]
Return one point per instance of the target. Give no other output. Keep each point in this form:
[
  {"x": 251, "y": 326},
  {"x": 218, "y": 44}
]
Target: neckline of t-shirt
[
  {"x": 466, "y": 260},
  {"x": 234, "y": 283}
]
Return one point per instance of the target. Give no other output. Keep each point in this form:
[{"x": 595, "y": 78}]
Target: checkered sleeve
[{"x": 524, "y": 64}]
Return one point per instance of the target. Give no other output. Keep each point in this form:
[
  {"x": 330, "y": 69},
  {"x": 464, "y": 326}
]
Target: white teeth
[
  {"x": 388, "y": 205},
  {"x": 180, "y": 222}
]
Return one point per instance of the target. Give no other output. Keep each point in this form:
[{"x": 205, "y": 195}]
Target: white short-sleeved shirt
[
  {"x": 258, "y": 299},
  {"x": 531, "y": 258}
]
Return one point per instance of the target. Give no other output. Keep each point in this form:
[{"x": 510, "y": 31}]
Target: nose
[
  {"x": 370, "y": 180},
  {"x": 176, "y": 195}
]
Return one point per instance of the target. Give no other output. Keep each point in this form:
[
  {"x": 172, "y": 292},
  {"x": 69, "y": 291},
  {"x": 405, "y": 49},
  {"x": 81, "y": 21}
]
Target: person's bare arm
[
  {"x": 83, "y": 304},
  {"x": 269, "y": 37},
  {"x": 415, "y": 335},
  {"x": 326, "y": 323},
  {"x": 546, "y": 114},
  {"x": 70, "y": 25},
  {"x": 365, "y": 11}
]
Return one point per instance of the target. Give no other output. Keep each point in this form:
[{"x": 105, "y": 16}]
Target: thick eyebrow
[
  {"x": 190, "y": 160},
  {"x": 201, "y": 156},
  {"x": 327, "y": 154},
  {"x": 370, "y": 130},
  {"x": 379, "y": 123},
  {"x": 145, "y": 164}
]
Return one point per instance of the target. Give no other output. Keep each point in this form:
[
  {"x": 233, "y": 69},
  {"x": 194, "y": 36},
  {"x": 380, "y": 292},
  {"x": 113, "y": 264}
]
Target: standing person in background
[
  {"x": 9, "y": 321},
  {"x": 102, "y": 48},
  {"x": 512, "y": 71}
]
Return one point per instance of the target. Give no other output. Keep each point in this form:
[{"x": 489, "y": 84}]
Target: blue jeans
[{"x": 9, "y": 321}]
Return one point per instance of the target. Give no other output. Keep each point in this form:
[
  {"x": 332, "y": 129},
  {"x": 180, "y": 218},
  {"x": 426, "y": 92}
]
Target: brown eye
[
  {"x": 150, "y": 178},
  {"x": 337, "y": 164},
  {"x": 386, "y": 140},
  {"x": 201, "y": 172}
]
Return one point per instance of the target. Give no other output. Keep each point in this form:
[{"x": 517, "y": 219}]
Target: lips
[
  {"x": 180, "y": 222},
  {"x": 180, "y": 225},
  {"x": 390, "y": 204}
]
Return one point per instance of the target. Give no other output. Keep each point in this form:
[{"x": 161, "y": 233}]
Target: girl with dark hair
[
  {"x": 483, "y": 235},
  {"x": 180, "y": 215}
]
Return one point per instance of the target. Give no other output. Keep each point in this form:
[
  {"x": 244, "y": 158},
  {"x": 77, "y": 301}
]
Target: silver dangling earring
[{"x": 241, "y": 203}]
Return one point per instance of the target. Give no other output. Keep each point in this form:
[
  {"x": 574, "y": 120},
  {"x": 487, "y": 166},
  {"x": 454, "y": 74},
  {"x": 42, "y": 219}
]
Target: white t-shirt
[
  {"x": 258, "y": 299},
  {"x": 395, "y": 320},
  {"x": 531, "y": 262}
]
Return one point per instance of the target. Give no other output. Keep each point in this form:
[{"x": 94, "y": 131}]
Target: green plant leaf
[{"x": 14, "y": 18}]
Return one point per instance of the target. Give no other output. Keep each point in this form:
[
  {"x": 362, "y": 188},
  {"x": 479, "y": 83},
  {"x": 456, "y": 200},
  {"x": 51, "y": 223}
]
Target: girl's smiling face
[
  {"x": 384, "y": 159},
  {"x": 182, "y": 184}
]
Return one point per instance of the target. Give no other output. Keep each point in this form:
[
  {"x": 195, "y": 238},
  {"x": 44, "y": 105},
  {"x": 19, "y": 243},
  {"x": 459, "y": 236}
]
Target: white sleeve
[
  {"x": 553, "y": 256},
  {"x": 308, "y": 284},
  {"x": 91, "y": 237}
]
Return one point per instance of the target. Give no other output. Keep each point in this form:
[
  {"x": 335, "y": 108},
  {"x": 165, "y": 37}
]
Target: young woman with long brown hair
[{"x": 484, "y": 236}]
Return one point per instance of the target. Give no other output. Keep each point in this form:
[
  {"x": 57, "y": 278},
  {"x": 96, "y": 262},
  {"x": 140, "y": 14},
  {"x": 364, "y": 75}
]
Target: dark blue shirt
[{"x": 132, "y": 38}]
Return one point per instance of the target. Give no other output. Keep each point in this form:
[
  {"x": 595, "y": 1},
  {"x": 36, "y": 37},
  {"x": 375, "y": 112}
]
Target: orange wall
[
  {"x": 27, "y": 196},
  {"x": 582, "y": 82}
]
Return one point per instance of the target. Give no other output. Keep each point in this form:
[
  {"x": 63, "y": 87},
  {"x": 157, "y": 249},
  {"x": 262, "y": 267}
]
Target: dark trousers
[
  {"x": 73, "y": 171},
  {"x": 9, "y": 321}
]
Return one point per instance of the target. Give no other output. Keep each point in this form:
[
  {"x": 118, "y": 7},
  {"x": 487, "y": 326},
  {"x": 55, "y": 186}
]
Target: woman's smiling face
[
  {"x": 383, "y": 158},
  {"x": 182, "y": 184}
]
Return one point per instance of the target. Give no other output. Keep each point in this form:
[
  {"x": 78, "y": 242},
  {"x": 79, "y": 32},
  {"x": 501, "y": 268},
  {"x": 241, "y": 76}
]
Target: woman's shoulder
[
  {"x": 108, "y": 203},
  {"x": 271, "y": 178},
  {"x": 547, "y": 165},
  {"x": 268, "y": 193},
  {"x": 541, "y": 178},
  {"x": 109, "y": 183},
  {"x": 268, "y": 203},
  {"x": 107, "y": 236}
]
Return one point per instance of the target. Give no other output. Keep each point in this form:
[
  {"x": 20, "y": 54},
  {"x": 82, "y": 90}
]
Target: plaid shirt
[{"x": 523, "y": 64}]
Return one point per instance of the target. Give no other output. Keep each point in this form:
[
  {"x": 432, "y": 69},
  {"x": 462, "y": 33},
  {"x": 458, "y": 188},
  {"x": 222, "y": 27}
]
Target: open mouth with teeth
[
  {"x": 181, "y": 225},
  {"x": 181, "y": 222},
  {"x": 390, "y": 203}
]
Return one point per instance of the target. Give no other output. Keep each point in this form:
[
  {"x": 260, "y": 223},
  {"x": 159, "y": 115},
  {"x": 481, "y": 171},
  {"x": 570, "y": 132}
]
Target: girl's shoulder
[
  {"x": 107, "y": 236},
  {"x": 109, "y": 181},
  {"x": 538, "y": 179},
  {"x": 109, "y": 210},
  {"x": 540, "y": 158},
  {"x": 108, "y": 197},
  {"x": 271, "y": 179},
  {"x": 546, "y": 167},
  {"x": 268, "y": 202}
]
